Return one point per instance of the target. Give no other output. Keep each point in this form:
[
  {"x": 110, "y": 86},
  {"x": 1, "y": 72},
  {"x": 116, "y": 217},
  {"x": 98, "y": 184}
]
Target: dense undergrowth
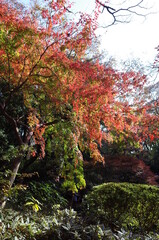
[{"x": 109, "y": 211}]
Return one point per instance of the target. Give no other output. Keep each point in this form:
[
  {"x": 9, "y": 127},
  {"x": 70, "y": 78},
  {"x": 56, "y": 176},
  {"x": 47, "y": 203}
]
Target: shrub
[
  {"x": 145, "y": 205},
  {"x": 108, "y": 203},
  {"x": 124, "y": 204},
  {"x": 45, "y": 192},
  {"x": 62, "y": 224}
]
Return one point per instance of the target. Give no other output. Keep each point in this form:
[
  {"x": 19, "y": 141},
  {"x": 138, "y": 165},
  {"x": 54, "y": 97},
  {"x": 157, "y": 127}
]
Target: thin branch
[
  {"x": 9, "y": 69},
  {"x": 33, "y": 68},
  {"x": 30, "y": 74},
  {"x": 21, "y": 76},
  {"x": 130, "y": 10},
  {"x": 11, "y": 92},
  {"x": 69, "y": 11}
]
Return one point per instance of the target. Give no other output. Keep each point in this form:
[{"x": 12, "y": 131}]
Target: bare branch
[
  {"x": 69, "y": 11},
  {"x": 118, "y": 15}
]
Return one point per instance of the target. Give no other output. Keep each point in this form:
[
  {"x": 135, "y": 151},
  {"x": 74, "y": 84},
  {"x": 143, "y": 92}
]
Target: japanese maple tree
[{"x": 43, "y": 59}]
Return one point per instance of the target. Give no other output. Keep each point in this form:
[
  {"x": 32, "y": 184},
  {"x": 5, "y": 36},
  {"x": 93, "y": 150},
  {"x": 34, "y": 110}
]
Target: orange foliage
[{"x": 49, "y": 59}]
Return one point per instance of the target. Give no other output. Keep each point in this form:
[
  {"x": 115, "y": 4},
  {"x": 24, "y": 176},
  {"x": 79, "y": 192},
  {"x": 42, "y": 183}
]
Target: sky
[
  {"x": 134, "y": 40},
  {"x": 137, "y": 39}
]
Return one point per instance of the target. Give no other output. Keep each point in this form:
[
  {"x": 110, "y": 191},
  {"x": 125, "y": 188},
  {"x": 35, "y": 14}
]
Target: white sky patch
[
  {"x": 136, "y": 39},
  {"x": 133, "y": 40}
]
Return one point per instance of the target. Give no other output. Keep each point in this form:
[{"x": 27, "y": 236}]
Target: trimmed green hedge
[{"x": 133, "y": 206}]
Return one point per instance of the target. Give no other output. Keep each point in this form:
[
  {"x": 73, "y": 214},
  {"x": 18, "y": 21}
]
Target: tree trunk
[
  {"x": 11, "y": 179},
  {"x": 16, "y": 161}
]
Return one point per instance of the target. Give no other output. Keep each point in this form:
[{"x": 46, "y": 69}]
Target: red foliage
[
  {"x": 133, "y": 166},
  {"x": 49, "y": 59}
]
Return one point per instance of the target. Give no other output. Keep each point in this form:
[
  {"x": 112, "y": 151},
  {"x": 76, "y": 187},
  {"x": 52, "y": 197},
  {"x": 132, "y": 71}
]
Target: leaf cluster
[
  {"x": 62, "y": 224},
  {"x": 37, "y": 195}
]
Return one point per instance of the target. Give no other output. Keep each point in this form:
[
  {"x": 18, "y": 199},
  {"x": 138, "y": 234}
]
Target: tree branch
[
  {"x": 118, "y": 18},
  {"x": 20, "y": 85}
]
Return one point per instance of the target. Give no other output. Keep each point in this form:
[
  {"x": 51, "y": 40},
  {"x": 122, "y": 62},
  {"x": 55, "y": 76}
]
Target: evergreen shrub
[{"x": 128, "y": 205}]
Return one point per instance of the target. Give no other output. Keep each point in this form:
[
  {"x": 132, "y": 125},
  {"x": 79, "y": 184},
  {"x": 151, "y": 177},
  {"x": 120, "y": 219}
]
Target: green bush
[
  {"x": 123, "y": 204},
  {"x": 108, "y": 203},
  {"x": 145, "y": 206}
]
